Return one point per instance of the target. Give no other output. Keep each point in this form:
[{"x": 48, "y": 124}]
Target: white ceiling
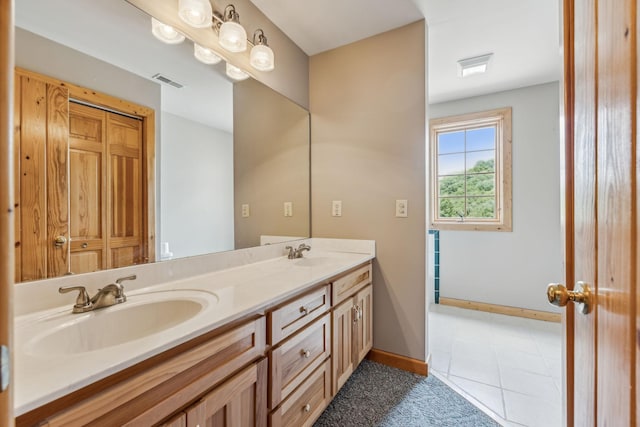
[
  {"x": 522, "y": 34},
  {"x": 316, "y": 26}
]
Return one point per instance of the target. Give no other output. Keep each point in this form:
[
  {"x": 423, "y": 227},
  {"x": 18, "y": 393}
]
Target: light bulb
[
  {"x": 236, "y": 73},
  {"x": 196, "y": 13},
  {"x": 165, "y": 33},
  {"x": 261, "y": 58},
  {"x": 233, "y": 37},
  {"x": 205, "y": 55}
]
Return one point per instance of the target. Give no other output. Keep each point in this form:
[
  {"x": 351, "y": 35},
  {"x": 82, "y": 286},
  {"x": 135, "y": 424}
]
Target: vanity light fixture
[
  {"x": 165, "y": 33},
  {"x": 475, "y": 65},
  {"x": 236, "y": 73},
  {"x": 261, "y": 57},
  {"x": 205, "y": 55},
  {"x": 232, "y": 36},
  {"x": 196, "y": 13}
]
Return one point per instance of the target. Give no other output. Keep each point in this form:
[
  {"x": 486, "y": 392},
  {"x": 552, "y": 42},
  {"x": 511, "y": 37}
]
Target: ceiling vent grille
[{"x": 166, "y": 80}]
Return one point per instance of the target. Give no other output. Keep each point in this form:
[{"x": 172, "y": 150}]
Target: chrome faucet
[
  {"x": 109, "y": 295},
  {"x": 297, "y": 253}
]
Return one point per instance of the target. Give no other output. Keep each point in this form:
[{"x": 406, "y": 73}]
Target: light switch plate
[
  {"x": 288, "y": 208},
  {"x": 336, "y": 208},
  {"x": 245, "y": 211},
  {"x": 402, "y": 209}
]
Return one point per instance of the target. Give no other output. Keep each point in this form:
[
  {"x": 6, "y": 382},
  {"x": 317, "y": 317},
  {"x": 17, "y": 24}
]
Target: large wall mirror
[{"x": 229, "y": 156}]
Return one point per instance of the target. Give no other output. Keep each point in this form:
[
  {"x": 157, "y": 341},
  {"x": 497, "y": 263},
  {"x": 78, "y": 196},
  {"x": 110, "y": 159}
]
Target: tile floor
[{"x": 511, "y": 366}]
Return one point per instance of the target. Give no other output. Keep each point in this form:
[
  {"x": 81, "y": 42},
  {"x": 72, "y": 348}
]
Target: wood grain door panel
[
  {"x": 41, "y": 178},
  {"x": 342, "y": 350},
  {"x": 602, "y": 75},
  {"x": 238, "y": 402},
  {"x": 364, "y": 326}
]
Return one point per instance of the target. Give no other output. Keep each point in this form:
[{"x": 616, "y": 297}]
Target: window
[{"x": 471, "y": 171}]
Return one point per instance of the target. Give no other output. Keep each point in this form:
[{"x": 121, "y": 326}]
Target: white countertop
[{"x": 231, "y": 294}]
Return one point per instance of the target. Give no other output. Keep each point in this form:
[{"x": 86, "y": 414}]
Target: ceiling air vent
[{"x": 166, "y": 80}]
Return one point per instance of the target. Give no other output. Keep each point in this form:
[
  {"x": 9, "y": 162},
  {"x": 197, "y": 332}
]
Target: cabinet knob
[
  {"x": 304, "y": 311},
  {"x": 307, "y": 407},
  {"x": 305, "y": 353}
]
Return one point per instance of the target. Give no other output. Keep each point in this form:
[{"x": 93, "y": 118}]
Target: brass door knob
[
  {"x": 559, "y": 296},
  {"x": 59, "y": 241}
]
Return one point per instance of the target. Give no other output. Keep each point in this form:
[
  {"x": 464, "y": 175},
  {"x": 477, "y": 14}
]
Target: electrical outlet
[
  {"x": 336, "y": 208},
  {"x": 288, "y": 209},
  {"x": 402, "y": 209},
  {"x": 245, "y": 211}
]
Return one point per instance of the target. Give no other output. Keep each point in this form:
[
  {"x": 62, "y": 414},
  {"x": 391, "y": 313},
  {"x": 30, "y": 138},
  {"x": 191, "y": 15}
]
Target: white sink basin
[{"x": 139, "y": 317}]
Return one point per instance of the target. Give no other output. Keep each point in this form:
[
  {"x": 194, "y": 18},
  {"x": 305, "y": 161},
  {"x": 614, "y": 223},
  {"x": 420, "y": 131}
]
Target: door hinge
[{"x": 4, "y": 368}]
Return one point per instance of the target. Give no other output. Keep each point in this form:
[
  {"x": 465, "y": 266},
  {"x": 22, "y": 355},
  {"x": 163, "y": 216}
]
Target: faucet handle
[
  {"x": 291, "y": 251},
  {"x": 122, "y": 279},
  {"x": 82, "y": 301}
]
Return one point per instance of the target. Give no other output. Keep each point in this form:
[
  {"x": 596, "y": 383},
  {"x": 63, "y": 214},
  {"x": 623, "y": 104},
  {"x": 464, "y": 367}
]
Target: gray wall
[
  {"x": 513, "y": 268},
  {"x": 368, "y": 149},
  {"x": 197, "y": 187},
  {"x": 271, "y": 164}
]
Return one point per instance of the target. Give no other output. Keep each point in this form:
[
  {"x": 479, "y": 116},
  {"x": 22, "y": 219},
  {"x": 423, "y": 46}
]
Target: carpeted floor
[{"x": 378, "y": 395}]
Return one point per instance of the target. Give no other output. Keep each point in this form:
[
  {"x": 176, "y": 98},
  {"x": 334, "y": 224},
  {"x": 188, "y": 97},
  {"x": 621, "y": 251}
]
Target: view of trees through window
[{"x": 466, "y": 173}]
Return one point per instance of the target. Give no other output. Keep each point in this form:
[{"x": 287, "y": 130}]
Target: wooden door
[
  {"x": 41, "y": 115},
  {"x": 7, "y": 251},
  {"x": 239, "y": 402},
  {"x": 125, "y": 192},
  {"x": 363, "y": 328},
  {"x": 342, "y": 350},
  {"x": 107, "y": 209},
  {"x": 603, "y": 346},
  {"x": 88, "y": 184}
]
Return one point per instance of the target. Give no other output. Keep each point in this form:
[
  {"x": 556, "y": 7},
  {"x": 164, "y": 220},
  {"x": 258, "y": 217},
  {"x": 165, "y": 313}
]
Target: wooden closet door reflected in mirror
[
  {"x": 80, "y": 196},
  {"x": 105, "y": 208}
]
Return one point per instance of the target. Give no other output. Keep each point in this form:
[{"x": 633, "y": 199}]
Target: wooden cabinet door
[
  {"x": 179, "y": 420},
  {"x": 41, "y": 183},
  {"x": 342, "y": 352},
  {"x": 363, "y": 335},
  {"x": 239, "y": 402}
]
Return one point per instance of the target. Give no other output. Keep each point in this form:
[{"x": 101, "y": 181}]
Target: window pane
[
  {"x": 451, "y": 164},
  {"x": 481, "y": 139},
  {"x": 451, "y": 207},
  {"x": 481, "y": 161},
  {"x": 481, "y": 185},
  {"x": 451, "y": 142},
  {"x": 481, "y": 207},
  {"x": 452, "y": 185}
]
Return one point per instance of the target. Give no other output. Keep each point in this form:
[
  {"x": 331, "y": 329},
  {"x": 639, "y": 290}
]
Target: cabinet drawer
[
  {"x": 297, "y": 357},
  {"x": 305, "y": 405},
  {"x": 292, "y": 316},
  {"x": 351, "y": 283}
]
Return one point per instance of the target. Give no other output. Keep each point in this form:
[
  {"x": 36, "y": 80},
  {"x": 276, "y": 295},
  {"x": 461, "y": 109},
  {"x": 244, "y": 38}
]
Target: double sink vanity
[{"x": 249, "y": 337}]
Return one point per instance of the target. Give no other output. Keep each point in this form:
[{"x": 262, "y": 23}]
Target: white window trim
[{"x": 501, "y": 118}]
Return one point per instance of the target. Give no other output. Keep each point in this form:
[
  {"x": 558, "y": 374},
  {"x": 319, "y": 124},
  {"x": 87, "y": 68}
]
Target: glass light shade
[
  {"x": 261, "y": 58},
  {"x": 236, "y": 73},
  {"x": 165, "y": 33},
  {"x": 196, "y": 13},
  {"x": 233, "y": 37},
  {"x": 205, "y": 55}
]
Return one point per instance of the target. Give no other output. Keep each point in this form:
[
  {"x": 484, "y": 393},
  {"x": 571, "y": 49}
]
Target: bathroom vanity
[{"x": 259, "y": 340}]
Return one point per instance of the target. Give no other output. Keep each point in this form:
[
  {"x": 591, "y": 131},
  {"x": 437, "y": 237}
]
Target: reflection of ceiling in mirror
[{"x": 118, "y": 33}]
